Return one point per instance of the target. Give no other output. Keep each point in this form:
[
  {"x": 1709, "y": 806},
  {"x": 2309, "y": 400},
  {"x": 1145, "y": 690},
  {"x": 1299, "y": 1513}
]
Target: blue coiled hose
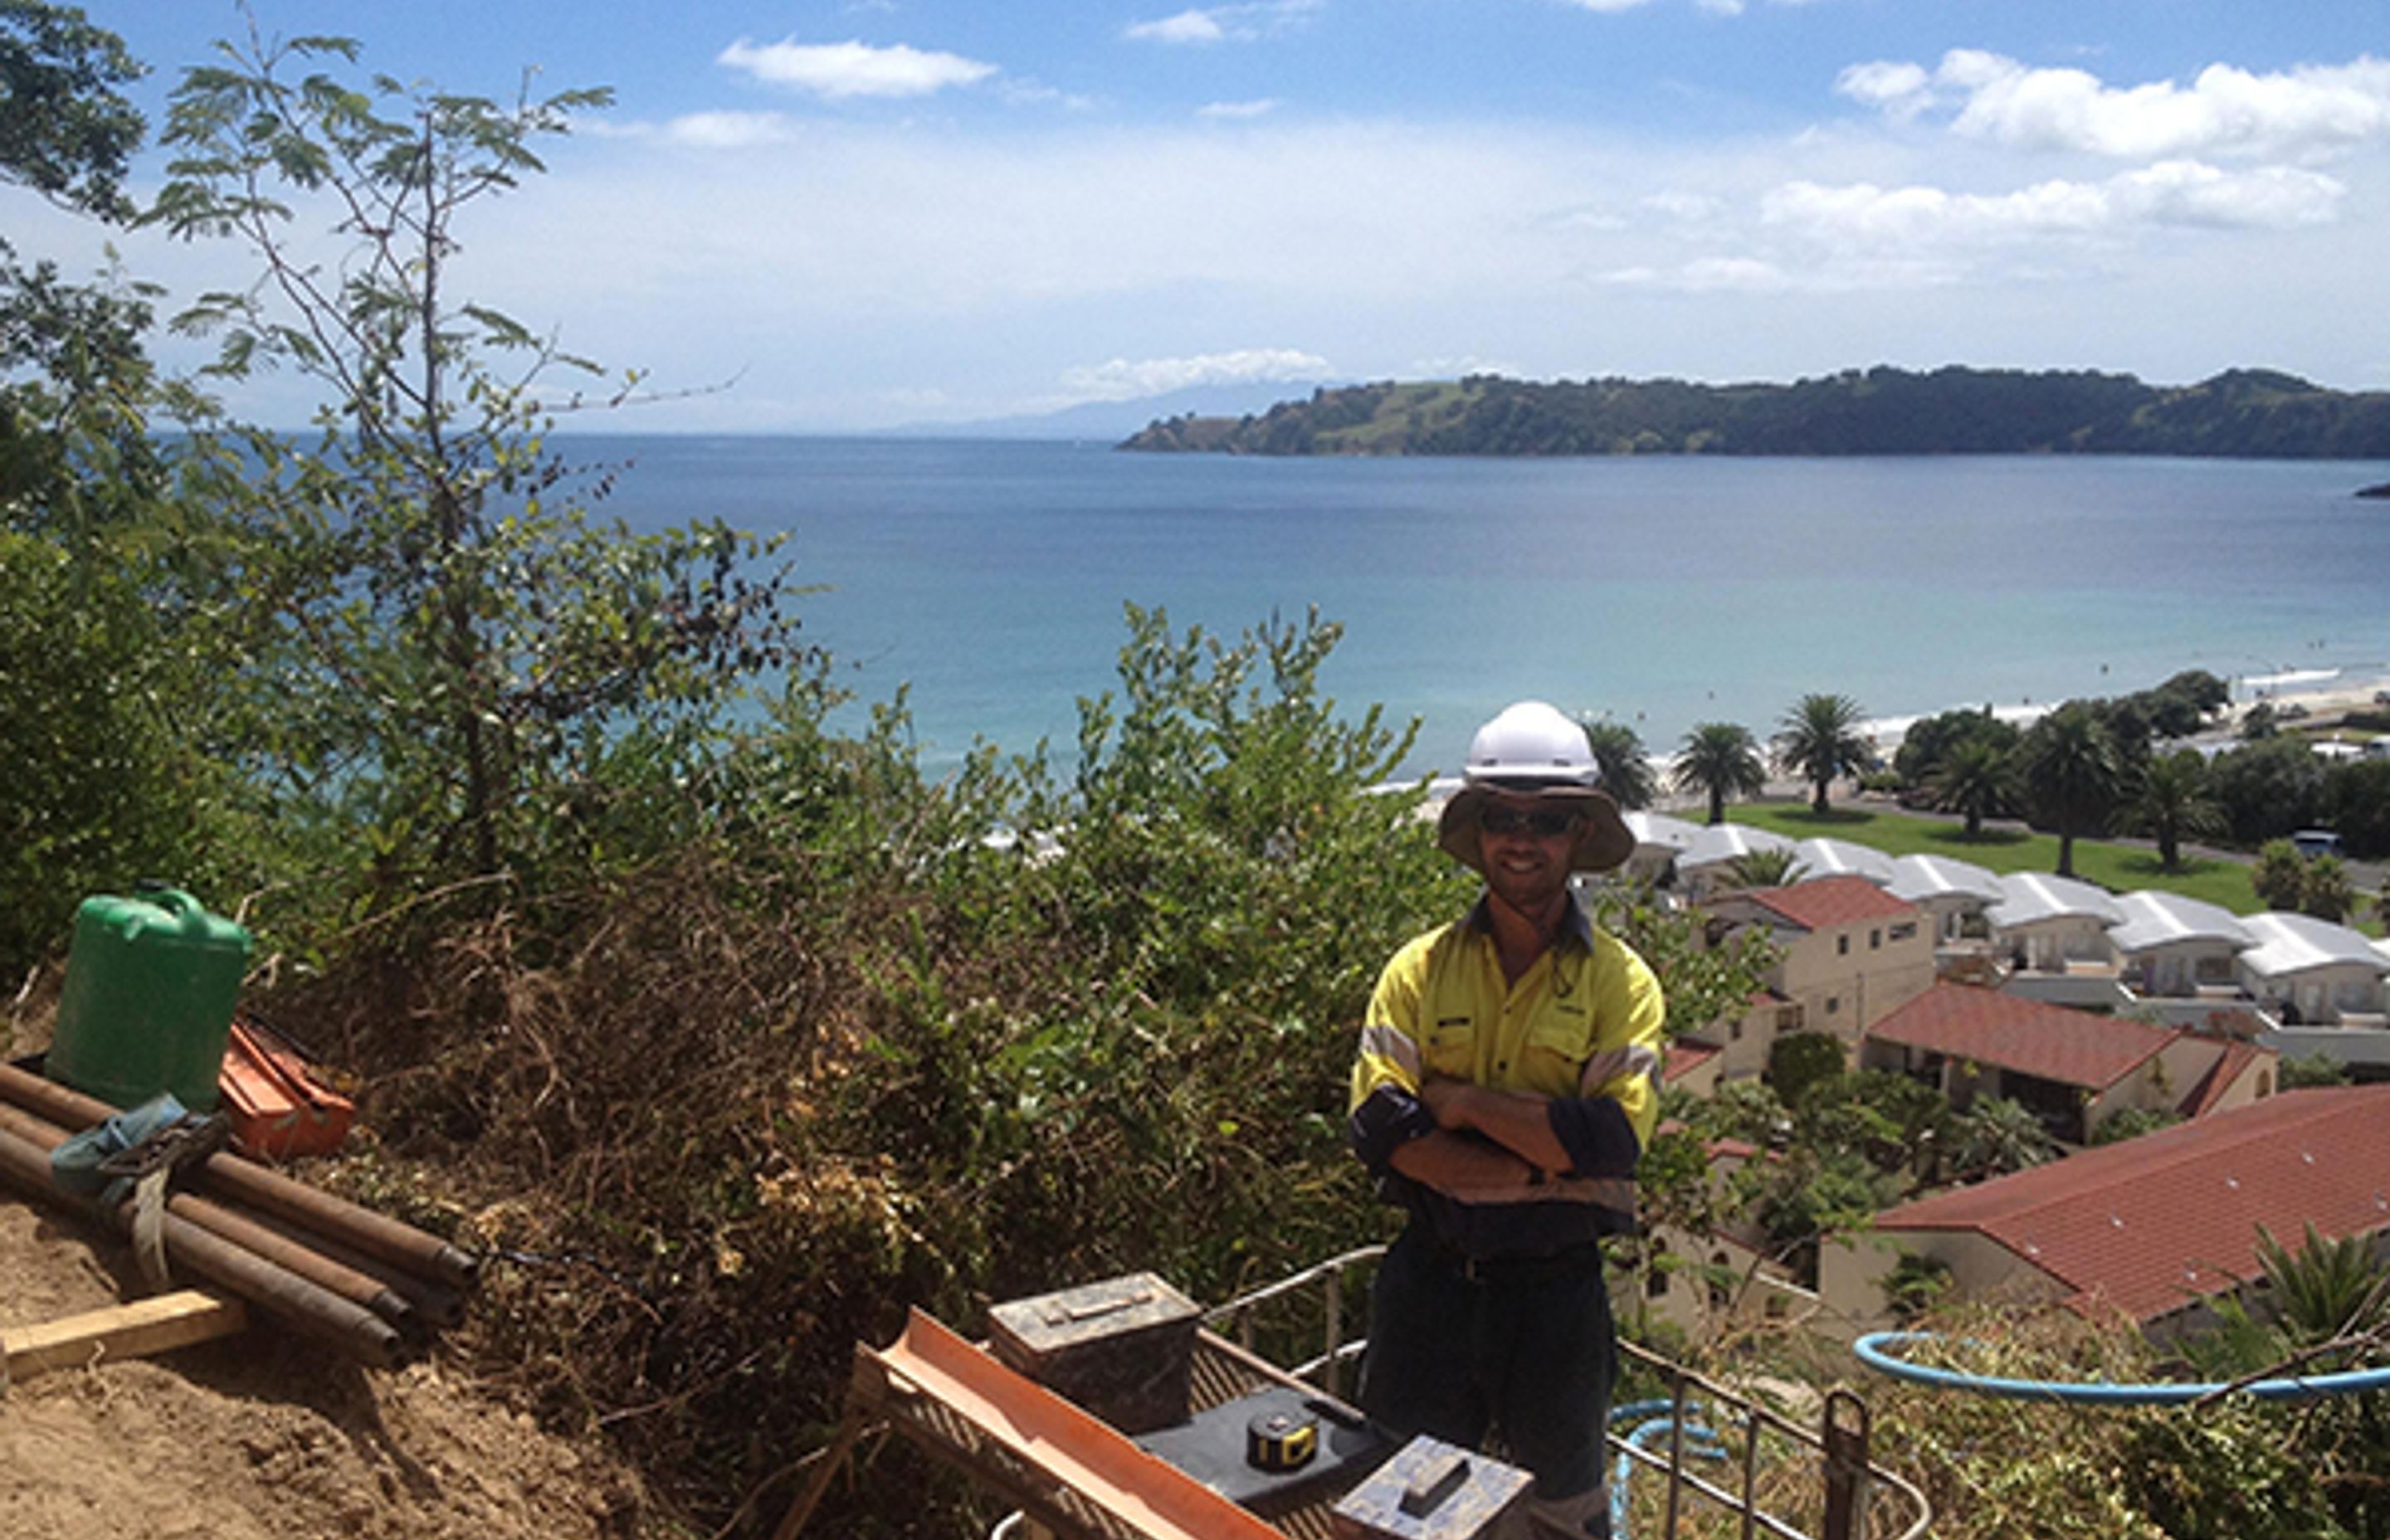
[{"x": 1879, "y": 1350}]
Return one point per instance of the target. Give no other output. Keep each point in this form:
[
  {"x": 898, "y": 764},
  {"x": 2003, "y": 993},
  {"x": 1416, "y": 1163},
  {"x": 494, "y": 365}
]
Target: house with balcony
[
  {"x": 1850, "y": 953},
  {"x": 2155, "y": 1229},
  {"x": 2309, "y": 972},
  {"x": 1660, "y": 841},
  {"x": 1954, "y": 893},
  {"x": 2050, "y": 934},
  {"x": 1703, "y": 865},
  {"x": 1829, "y": 857},
  {"x": 2178, "y": 956},
  {"x": 2071, "y": 1069}
]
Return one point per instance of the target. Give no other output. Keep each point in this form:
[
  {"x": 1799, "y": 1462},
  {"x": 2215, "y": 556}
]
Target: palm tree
[
  {"x": 1625, "y": 769},
  {"x": 2280, "y": 875},
  {"x": 2326, "y": 1290},
  {"x": 1821, "y": 741},
  {"x": 1773, "y": 867},
  {"x": 2073, "y": 774},
  {"x": 1976, "y": 777},
  {"x": 2172, "y": 802},
  {"x": 2326, "y": 890},
  {"x": 1995, "y": 1137},
  {"x": 1722, "y": 760}
]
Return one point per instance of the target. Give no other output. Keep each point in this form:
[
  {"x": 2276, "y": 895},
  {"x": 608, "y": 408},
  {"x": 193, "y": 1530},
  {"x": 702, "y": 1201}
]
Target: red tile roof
[
  {"x": 2143, "y": 1225},
  {"x": 1831, "y": 901},
  {"x": 2073, "y": 1048},
  {"x": 1685, "y": 1056},
  {"x": 2230, "y": 1066}
]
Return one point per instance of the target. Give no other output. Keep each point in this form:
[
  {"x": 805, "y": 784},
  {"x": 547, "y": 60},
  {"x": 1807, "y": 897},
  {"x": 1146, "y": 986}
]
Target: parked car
[{"x": 2312, "y": 842}]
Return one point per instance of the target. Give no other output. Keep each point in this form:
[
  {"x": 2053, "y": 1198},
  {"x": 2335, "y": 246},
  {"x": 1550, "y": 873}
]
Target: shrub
[{"x": 2266, "y": 789}]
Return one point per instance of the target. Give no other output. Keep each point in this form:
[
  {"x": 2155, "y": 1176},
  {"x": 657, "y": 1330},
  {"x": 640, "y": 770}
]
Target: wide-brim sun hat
[
  {"x": 1533, "y": 751},
  {"x": 1603, "y": 840}
]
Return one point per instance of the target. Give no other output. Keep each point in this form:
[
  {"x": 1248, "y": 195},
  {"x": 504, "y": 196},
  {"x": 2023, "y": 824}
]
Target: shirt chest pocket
[
  {"x": 1554, "y": 1053},
  {"x": 1450, "y": 1051}
]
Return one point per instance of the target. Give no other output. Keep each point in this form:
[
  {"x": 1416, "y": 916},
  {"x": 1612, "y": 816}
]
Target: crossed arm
[{"x": 1516, "y": 1147}]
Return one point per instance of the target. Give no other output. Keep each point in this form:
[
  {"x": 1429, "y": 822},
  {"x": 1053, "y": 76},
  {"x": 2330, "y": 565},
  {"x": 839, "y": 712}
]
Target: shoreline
[{"x": 2308, "y": 692}]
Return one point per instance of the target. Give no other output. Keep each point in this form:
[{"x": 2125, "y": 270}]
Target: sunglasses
[{"x": 1545, "y": 823}]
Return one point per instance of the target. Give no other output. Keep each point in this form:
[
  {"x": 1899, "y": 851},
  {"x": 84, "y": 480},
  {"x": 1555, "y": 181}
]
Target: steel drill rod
[
  {"x": 434, "y": 1302},
  {"x": 293, "y": 1254},
  {"x": 312, "y": 1310},
  {"x": 229, "y": 1175}
]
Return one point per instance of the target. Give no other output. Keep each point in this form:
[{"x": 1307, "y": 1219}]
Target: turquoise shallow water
[{"x": 991, "y": 575}]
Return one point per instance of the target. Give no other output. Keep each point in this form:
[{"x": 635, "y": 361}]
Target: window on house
[
  {"x": 1833, "y": 1004},
  {"x": 1734, "y": 1033},
  {"x": 1905, "y": 929},
  {"x": 1875, "y": 941},
  {"x": 1842, "y": 947}
]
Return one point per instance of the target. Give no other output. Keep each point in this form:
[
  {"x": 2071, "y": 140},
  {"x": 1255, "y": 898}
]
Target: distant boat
[{"x": 2381, "y": 489}]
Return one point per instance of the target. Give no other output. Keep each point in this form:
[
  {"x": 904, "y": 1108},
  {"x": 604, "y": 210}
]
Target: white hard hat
[
  {"x": 1530, "y": 747},
  {"x": 1534, "y": 749}
]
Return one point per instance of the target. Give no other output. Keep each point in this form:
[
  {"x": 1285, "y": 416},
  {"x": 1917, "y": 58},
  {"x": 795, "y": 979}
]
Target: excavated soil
[{"x": 262, "y": 1437}]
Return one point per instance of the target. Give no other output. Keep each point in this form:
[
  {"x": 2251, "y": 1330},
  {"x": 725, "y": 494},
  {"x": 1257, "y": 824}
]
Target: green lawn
[{"x": 2119, "y": 868}]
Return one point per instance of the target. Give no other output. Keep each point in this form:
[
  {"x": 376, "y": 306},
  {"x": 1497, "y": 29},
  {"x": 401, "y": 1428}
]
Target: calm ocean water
[{"x": 991, "y": 576}]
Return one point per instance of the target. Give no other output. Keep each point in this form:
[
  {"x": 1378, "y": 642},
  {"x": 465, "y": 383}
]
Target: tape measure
[{"x": 1280, "y": 1440}]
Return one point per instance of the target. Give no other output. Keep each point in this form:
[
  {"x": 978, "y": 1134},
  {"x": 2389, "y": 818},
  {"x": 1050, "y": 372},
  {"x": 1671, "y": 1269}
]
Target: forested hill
[{"x": 2246, "y": 412}]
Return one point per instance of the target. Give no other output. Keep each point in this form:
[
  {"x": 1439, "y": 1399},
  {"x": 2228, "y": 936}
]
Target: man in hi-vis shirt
[{"x": 1507, "y": 1081}]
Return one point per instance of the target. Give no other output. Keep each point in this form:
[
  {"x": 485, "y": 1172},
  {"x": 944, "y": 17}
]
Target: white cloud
[
  {"x": 1122, "y": 380},
  {"x": 1238, "y": 24},
  {"x": 2172, "y": 193},
  {"x": 1237, "y": 109},
  {"x": 2298, "y": 114},
  {"x": 1707, "y": 275},
  {"x": 1902, "y": 90},
  {"x": 1458, "y": 367},
  {"x": 701, "y": 130},
  {"x": 728, "y": 130},
  {"x": 1677, "y": 203},
  {"x": 1031, "y": 93},
  {"x": 1186, "y": 27},
  {"x": 853, "y": 69},
  {"x": 2275, "y": 198}
]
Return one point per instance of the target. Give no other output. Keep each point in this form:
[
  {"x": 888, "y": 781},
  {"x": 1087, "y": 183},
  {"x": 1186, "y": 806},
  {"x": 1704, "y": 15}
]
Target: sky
[{"x": 843, "y": 215}]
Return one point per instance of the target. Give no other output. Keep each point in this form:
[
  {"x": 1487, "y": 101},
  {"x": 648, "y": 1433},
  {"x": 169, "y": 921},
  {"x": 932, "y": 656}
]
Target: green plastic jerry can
[{"x": 147, "y": 1004}]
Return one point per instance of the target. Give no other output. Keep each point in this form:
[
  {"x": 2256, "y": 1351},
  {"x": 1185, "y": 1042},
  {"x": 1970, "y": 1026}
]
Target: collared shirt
[{"x": 1584, "y": 1023}]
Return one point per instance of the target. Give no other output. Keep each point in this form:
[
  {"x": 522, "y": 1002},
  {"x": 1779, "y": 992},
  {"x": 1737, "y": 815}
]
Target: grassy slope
[{"x": 2118, "y": 867}]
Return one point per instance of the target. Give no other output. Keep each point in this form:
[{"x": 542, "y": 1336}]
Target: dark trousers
[{"x": 1522, "y": 1349}]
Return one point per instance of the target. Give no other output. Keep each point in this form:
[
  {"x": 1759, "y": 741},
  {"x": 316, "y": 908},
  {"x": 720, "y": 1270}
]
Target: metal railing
[{"x": 1852, "y": 1483}]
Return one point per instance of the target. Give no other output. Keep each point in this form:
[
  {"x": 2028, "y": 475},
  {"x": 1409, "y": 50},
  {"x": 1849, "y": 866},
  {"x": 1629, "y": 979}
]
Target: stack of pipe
[{"x": 362, "y": 1282}]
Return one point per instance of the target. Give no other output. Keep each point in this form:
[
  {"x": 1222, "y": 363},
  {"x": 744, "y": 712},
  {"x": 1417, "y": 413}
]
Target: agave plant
[
  {"x": 1765, "y": 869},
  {"x": 2327, "y": 1288}
]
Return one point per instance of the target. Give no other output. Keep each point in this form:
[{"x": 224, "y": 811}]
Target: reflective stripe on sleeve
[
  {"x": 1394, "y": 1046},
  {"x": 1635, "y": 1059}
]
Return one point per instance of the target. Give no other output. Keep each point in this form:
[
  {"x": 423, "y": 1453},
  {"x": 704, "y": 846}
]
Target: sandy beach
[{"x": 2307, "y": 695}]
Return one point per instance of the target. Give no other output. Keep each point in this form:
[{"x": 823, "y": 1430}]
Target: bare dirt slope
[{"x": 261, "y": 1437}]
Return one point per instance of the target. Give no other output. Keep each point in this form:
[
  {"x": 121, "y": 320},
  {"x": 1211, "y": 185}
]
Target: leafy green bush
[{"x": 107, "y": 783}]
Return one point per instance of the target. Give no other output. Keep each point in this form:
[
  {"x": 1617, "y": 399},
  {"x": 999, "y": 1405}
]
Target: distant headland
[{"x": 2246, "y": 414}]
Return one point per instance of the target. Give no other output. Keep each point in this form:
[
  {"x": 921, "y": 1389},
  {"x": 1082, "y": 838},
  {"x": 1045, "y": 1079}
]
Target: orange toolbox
[{"x": 278, "y": 1105}]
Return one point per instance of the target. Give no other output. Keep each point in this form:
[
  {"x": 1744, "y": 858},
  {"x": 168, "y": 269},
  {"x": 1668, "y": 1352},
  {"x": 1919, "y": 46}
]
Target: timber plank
[{"x": 134, "y": 1330}]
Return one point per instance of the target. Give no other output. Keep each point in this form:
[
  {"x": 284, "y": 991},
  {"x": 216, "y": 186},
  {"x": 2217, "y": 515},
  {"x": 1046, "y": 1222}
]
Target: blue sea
[{"x": 990, "y": 576}]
